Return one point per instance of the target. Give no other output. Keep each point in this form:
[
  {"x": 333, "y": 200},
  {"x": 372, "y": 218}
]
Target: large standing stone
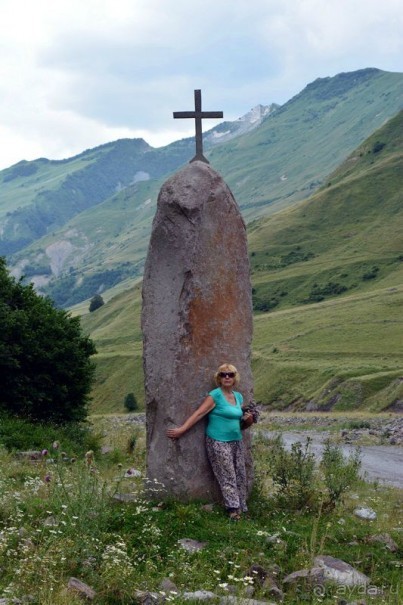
[{"x": 197, "y": 315}]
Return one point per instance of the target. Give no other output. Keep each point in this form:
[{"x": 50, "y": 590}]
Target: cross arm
[{"x": 198, "y": 114}]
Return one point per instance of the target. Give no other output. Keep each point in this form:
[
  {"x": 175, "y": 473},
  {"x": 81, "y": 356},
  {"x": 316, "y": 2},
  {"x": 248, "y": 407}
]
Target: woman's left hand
[{"x": 247, "y": 419}]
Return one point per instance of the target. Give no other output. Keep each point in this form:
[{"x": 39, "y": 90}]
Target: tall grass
[{"x": 60, "y": 520}]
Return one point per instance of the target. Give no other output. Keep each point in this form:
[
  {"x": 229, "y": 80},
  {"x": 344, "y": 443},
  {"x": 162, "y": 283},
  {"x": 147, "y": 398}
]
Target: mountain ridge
[{"x": 284, "y": 159}]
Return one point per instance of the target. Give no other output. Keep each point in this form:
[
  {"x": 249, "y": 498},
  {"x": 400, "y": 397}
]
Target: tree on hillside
[
  {"x": 96, "y": 302},
  {"x": 45, "y": 367},
  {"x": 130, "y": 402}
]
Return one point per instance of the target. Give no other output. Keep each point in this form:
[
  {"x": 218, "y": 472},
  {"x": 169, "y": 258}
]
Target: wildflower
[
  {"x": 55, "y": 445},
  {"x": 44, "y": 453},
  {"x": 47, "y": 478}
]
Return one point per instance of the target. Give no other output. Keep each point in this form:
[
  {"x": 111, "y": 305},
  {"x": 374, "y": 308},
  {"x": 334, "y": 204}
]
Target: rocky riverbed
[{"x": 371, "y": 430}]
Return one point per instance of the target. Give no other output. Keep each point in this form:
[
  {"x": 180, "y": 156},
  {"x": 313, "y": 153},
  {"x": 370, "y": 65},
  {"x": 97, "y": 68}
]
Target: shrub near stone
[{"x": 45, "y": 367}]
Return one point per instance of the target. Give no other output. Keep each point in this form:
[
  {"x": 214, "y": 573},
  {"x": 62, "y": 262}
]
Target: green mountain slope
[
  {"x": 346, "y": 238},
  {"x": 293, "y": 151},
  {"x": 343, "y": 352},
  {"x": 40, "y": 196},
  {"x": 280, "y": 162}
]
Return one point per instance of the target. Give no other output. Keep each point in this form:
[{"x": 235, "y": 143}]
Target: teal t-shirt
[{"x": 224, "y": 419}]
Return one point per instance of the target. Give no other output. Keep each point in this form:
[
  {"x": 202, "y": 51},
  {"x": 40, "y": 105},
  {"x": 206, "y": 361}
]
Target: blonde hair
[{"x": 226, "y": 367}]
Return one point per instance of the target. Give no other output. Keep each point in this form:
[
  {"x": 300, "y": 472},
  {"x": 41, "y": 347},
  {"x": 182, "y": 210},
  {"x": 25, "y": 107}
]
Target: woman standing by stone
[{"x": 224, "y": 445}]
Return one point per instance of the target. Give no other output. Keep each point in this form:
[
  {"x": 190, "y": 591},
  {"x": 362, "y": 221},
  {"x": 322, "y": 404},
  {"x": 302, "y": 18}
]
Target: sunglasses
[{"x": 227, "y": 374}]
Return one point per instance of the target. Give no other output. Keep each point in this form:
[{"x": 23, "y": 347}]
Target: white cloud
[
  {"x": 75, "y": 74},
  {"x": 318, "y": 37}
]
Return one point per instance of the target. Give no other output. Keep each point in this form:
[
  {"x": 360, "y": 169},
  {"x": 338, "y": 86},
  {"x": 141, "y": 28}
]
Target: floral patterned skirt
[{"x": 227, "y": 460}]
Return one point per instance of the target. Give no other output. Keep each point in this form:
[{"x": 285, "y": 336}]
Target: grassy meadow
[
  {"x": 352, "y": 345},
  {"x": 59, "y": 518},
  {"x": 349, "y": 346}
]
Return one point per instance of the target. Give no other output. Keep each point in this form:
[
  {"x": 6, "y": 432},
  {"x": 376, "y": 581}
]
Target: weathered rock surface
[
  {"x": 191, "y": 545},
  {"x": 125, "y": 497},
  {"x": 144, "y": 597},
  {"x": 270, "y": 589},
  {"x": 340, "y": 572},
  {"x": 81, "y": 588},
  {"x": 313, "y": 576},
  {"x": 385, "y": 539},
  {"x": 365, "y": 512},
  {"x": 199, "y": 595},
  {"x": 168, "y": 586},
  {"x": 197, "y": 314}
]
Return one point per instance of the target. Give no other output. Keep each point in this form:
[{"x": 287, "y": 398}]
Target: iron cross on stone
[{"x": 198, "y": 116}]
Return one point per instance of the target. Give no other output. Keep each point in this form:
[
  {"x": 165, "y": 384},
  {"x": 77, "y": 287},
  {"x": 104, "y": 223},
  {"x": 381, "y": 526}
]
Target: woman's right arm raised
[{"x": 206, "y": 406}]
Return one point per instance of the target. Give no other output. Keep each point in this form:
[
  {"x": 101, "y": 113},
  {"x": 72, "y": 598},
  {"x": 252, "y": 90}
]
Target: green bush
[
  {"x": 293, "y": 474},
  {"x": 130, "y": 403},
  {"x": 358, "y": 424},
  {"x": 45, "y": 369},
  {"x": 340, "y": 473},
  {"x": 371, "y": 273},
  {"x": 96, "y": 302},
  {"x": 265, "y": 306},
  {"x": 296, "y": 256},
  {"x": 378, "y": 146},
  {"x": 319, "y": 293},
  {"x": 19, "y": 434},
  {"x": 299, "y": 481}
]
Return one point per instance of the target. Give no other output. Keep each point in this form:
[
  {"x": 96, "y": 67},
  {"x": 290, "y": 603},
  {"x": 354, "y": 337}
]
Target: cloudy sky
[{"x": 78, "y": 73}]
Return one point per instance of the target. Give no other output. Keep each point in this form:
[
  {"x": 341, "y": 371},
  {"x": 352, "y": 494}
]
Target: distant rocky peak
[
  {"x": 230, "y": 130},
  {"x": 257, "y": 113}
]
